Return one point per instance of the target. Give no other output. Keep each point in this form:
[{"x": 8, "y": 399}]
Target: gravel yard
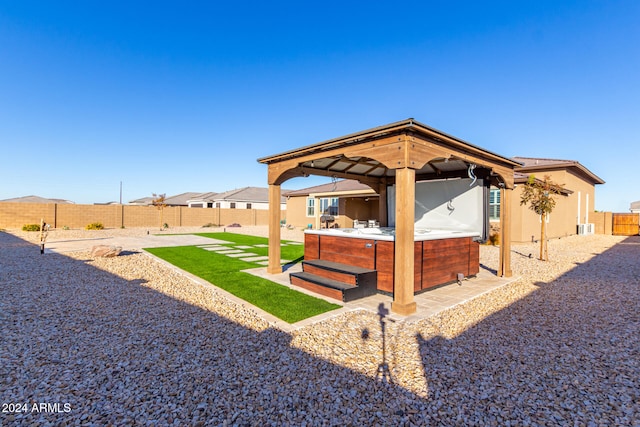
[{"x": 129, "y": 341}]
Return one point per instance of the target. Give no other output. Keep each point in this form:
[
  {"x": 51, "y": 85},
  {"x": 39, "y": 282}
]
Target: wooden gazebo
[{"x": 399, "y": 153}]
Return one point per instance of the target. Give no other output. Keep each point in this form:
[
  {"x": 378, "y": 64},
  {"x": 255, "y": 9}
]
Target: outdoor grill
[{"x": 326, "y": 220}]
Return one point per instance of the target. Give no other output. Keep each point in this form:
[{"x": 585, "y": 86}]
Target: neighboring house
[
  {"x": 36, "y": 199},
  {"x": 344, "y": 200},
  {"x": 348, "y": 200},
  {"x": 202, "y": 200},
  {"x": 143, "y": 201},
  {"x": 246, "y": 198},
  {"x": 635, "y": 207},
  {"x": 177, "y": 200},
  {"x": 181, "y": 199},
  {"x": 573, "y": 207},
  {"x": 242, "y": 198}
]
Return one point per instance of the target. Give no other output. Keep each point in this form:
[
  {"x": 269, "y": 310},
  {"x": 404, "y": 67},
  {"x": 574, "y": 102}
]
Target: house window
[
  {"x": 209, "y": 205},
  {"x": 217, "y": 204},
  {"x": 248, "y": 205},
  {"x": 329, "y": 206},
  {"x": 494, "y": 204},
  {"x": 232, "y": 205},
  {"x": 311, "y": 211}
]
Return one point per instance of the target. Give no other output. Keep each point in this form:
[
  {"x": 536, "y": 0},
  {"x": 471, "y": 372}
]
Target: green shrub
[
  {"x": 31, "y": 227},
  {"x": 210, "y": 224},
  {"x": 66, "y": 227},
  {"x": 95, "y": 226}
]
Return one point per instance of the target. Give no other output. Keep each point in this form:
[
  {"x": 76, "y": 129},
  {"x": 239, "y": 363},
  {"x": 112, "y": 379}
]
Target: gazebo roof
[{"x": 375, "y": 153}]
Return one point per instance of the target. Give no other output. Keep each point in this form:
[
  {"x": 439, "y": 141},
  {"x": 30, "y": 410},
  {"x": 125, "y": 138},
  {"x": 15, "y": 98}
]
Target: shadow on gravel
[
  {"x": 125, "y": 253},
  {"x": 566, "y": 354},
  {"x": 489, "y": 269},
  {"x": 96, "y": 349}
]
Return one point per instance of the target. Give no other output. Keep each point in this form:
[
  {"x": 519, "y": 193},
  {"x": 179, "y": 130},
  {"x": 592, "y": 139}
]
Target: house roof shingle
[
  {"x": 36, "y": 199},
  {"x": 533, "y": 164},
  {"x": 247, "y": 194},
  {"x": 338, "y": 186},
  {"x": 181, "y": 199}
]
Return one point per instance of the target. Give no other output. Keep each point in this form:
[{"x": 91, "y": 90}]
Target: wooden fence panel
[{"x": 626, "y": 224}]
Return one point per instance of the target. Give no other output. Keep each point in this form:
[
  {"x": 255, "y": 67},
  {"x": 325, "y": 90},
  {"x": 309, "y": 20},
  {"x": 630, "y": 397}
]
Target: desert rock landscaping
[{"x": 129, "y": 340}]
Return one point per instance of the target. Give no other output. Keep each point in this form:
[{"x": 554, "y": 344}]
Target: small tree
[
  {"x": 539, "y": 195},
  {"x": 158, "y": 202}
]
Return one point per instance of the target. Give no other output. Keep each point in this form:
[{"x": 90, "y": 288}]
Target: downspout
[{"x": 579, "y": 196}]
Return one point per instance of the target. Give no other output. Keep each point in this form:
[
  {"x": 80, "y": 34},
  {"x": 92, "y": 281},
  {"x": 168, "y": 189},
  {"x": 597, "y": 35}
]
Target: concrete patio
[{"x": 428, "y": 303}]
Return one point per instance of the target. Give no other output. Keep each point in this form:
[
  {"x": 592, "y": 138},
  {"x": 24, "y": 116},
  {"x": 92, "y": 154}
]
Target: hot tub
[
  {"x": 388, "y": 233},
  {"x": 439, "y": 255}
]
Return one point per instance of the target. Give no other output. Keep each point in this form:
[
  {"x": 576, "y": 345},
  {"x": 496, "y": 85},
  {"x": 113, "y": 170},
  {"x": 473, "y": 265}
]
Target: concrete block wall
[
  {"x": 602, "y": 221},
  {"x": 15, "y": 215},
  {"x": 78, "y": 216}
]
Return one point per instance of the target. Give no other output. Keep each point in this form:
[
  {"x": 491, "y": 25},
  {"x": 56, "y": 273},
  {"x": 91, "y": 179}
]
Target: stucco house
[
  {"x": 241, "y": 198},
  {"x": 345, "y": 201},
  {"x": 201, "y": 200},
  {"x": 635, "y": 207},
  {"x": 176, "y": 200},
  {"x": 348, "y": 201},
  {"x": 573, "y": 207}
]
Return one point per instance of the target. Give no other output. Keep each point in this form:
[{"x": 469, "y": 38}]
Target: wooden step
[
  {"x": 321, "y": 285},
  {"x": 335, "y": 280},
  {"x": 336, "y": 266}
]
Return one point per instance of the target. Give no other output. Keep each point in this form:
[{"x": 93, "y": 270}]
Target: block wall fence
[
  {"x": 602, "y": 221},
  {"x": 15, "y": 215}
]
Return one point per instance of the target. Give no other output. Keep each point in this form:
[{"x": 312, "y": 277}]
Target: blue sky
[{"x": 169, "y": 97}]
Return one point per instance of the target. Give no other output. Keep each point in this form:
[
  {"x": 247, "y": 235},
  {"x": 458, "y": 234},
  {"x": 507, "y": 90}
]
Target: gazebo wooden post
[
  {"x": 274, "y": 266},
  {"x": 504, "y": 265},
  {"x": 316, "y": 213},
  {"x": 403, "y": 300}
]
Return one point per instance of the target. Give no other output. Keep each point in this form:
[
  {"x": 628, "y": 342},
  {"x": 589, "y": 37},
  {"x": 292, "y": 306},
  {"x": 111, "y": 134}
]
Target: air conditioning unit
[{"x": 584, "y": 229}]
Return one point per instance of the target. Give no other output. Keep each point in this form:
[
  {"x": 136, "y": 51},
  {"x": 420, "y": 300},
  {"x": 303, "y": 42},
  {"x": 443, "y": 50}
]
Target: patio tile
[
  {"x": 255, "y": 258},
  {"x": 237, "y": 254},
  {"x": 428, "y": 303}
]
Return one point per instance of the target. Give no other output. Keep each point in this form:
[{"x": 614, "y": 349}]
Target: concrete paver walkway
[{"x": 129, "y": 243}]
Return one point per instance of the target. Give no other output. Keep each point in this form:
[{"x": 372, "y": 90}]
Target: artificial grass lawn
[{"x": 225, "y": 272}]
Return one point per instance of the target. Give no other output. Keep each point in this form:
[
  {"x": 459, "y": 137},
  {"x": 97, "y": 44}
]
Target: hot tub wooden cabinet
[{"x": 439, "y": 255}]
